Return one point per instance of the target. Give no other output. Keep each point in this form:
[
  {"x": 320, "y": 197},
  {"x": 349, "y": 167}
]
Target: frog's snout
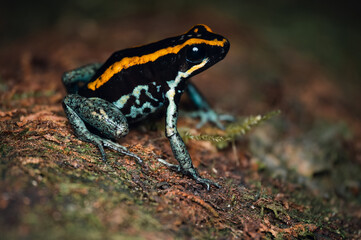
[{"x": 226, "y": 47}]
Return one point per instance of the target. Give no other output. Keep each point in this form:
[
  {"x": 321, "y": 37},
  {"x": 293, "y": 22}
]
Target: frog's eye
[{"x": 196, "y": 54}]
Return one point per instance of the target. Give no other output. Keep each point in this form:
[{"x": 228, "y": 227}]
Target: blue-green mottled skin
[{"x": 101, "y": 114}]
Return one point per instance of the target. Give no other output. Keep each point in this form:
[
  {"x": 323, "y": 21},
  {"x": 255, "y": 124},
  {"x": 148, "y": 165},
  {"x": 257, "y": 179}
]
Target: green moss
[
  {"x": 232, "y": 131},
  {"x": 5, "y": 149}
]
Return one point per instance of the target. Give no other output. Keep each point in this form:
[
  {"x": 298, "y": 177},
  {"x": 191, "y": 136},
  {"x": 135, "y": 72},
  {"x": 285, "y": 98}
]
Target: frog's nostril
[{"x": 226, "y": 46}]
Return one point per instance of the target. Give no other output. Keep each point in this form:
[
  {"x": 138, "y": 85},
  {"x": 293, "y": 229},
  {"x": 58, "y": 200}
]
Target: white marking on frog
[
  {"x": 136, "y": 93},
  {"x": 135, "y": 111},
  {"x": 171, "y": 122}
]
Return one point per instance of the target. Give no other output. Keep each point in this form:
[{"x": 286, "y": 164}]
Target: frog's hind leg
[
  {"x": 73, "y": 78},
  {"x": 101, "y": 115},
  {"x": 205, "y": 112}
]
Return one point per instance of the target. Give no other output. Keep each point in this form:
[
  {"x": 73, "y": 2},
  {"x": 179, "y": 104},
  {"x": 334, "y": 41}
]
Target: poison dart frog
[{"x": 102, "y": 99}]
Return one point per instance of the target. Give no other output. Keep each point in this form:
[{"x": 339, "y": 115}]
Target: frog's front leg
[
  {"x": 98, "y": 113},
  {"x": 178, "y": 147},
  {"x": 82, "y": 74},
  {"x": 205, "y": 112}
]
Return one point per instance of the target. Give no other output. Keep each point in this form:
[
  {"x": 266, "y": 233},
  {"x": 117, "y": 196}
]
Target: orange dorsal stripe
[{"x": 127, "y": 62}]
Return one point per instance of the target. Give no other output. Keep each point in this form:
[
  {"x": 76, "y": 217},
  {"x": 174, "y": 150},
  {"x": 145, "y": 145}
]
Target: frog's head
[{"x": 201, "y": 49}]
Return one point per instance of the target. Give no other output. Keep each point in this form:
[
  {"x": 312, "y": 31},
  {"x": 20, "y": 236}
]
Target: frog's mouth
[{"x": 197, "y": 67}]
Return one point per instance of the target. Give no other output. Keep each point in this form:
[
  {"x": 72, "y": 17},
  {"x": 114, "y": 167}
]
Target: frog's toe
[
  {"x": 139, "y": 160},
  {"x": 201, "y": 123},
  {"x": 121, "y": 149},
  {"x": 193, "y": 173},
  {"x": 212, "y": 117},
  {"x": 174, "y": 167},
  {"x": 223, "y": 117},
  {"x": 99, "y": 144},
  {"x": 205, "y": 117},
  {"x": 226, "y": 117},
  {"x": 219, "y": 124},
  {"x": 208, "y": 183}
]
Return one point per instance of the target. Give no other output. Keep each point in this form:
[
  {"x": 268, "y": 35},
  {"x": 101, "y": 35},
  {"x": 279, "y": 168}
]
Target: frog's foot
[
  {"x": 118, "y": 148},
  {"x": 207, "y": 183},
  {"x": 211, "y": 116},
  {"x": 100, "y": 142},
  {"x": 192, "y": 172}
]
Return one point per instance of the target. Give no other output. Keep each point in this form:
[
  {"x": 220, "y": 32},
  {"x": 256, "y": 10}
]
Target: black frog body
[{"x": 136, "y": 82}]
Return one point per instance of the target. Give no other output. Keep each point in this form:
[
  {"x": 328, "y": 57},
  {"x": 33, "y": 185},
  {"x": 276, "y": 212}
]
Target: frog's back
[{"x": 127, "y": 69}]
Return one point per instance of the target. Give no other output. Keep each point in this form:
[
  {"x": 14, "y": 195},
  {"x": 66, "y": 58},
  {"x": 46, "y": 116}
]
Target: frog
[{"x": 104, "y": 99}]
